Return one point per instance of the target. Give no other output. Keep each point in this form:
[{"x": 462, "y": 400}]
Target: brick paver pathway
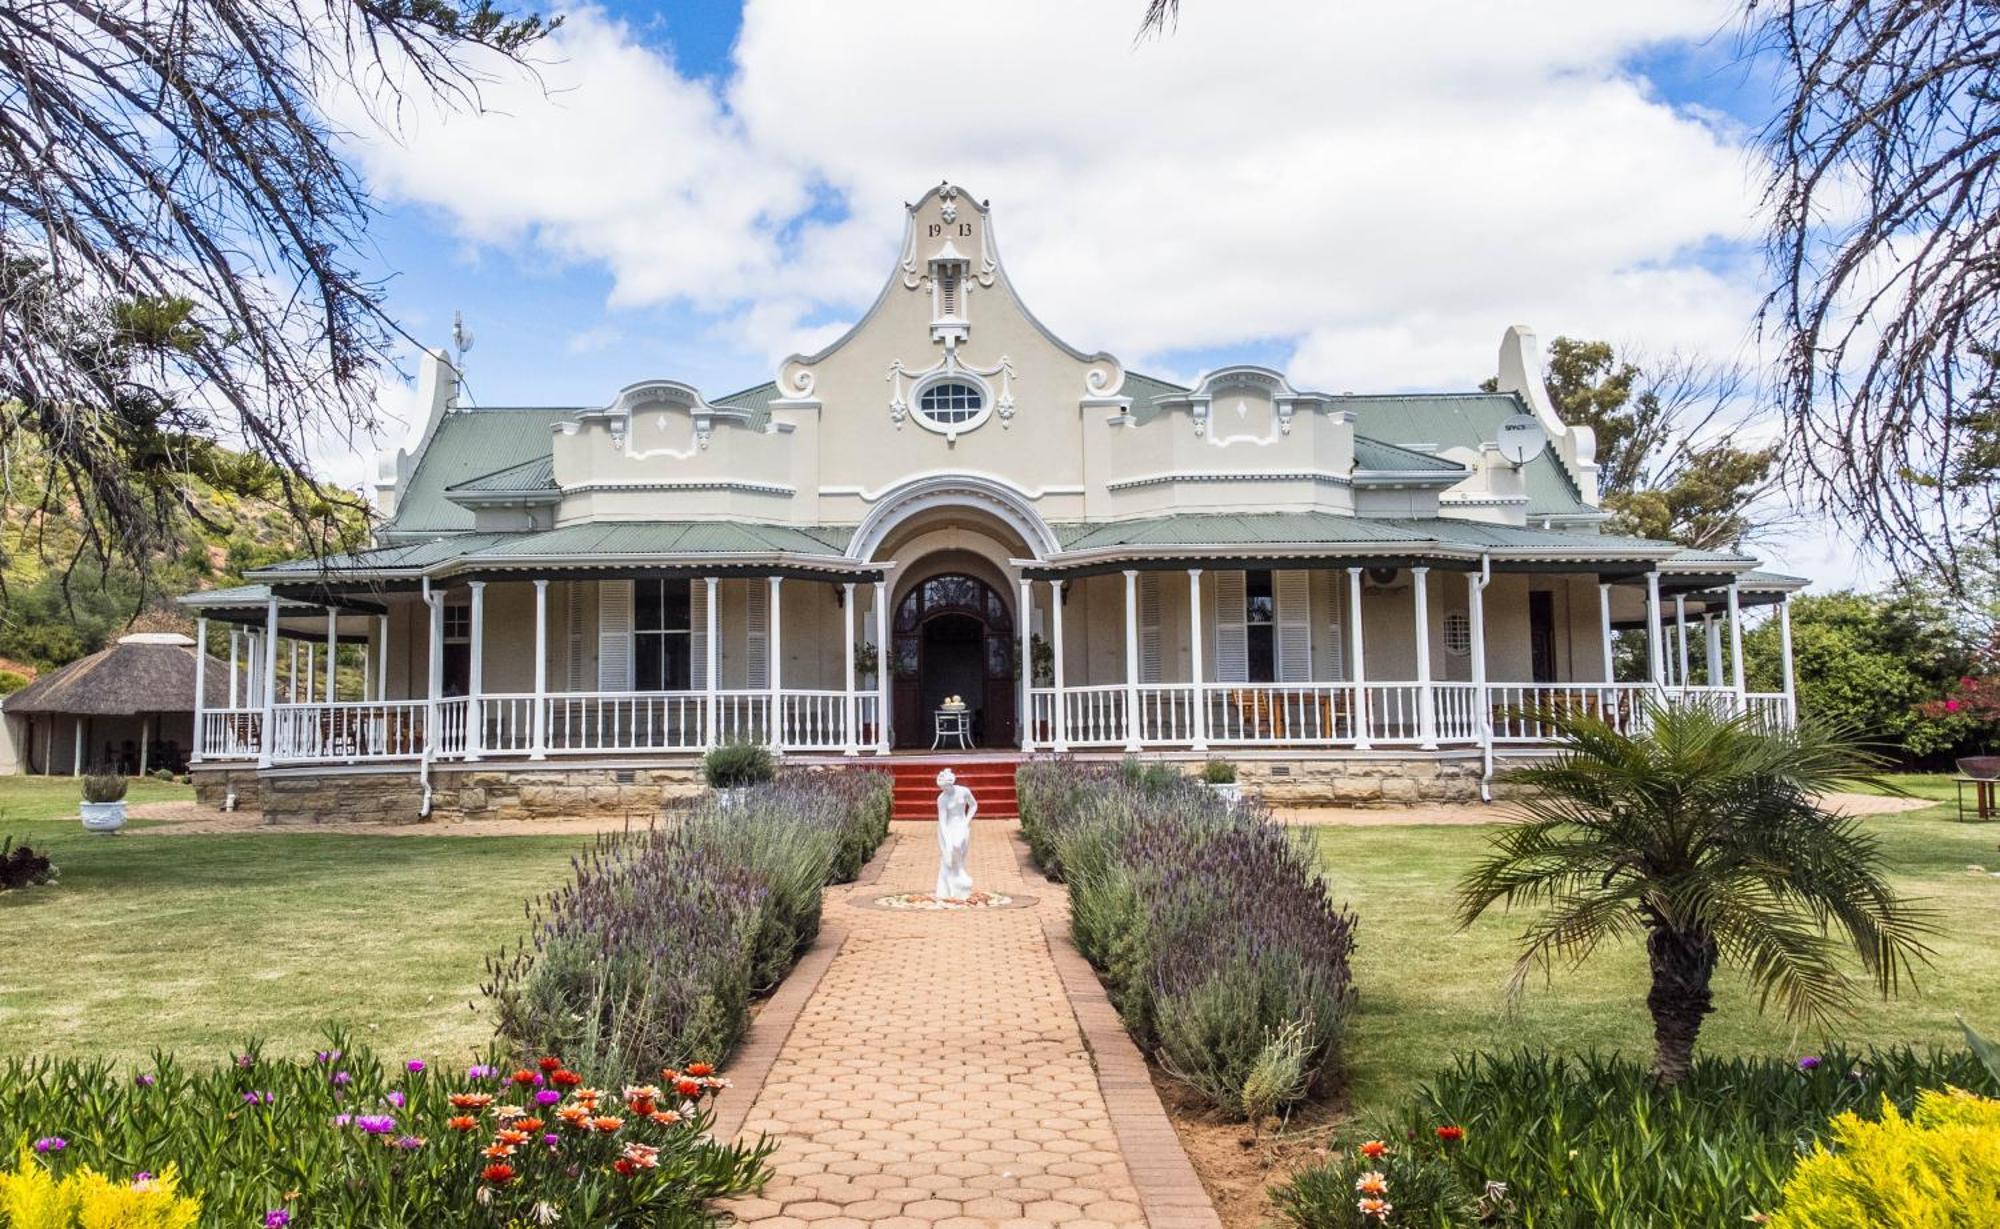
[{"x": 937, "y": 1075}]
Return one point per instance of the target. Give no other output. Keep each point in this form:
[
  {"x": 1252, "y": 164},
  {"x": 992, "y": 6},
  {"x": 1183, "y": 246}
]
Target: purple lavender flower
[
  {"x": 277, "y": 1218},
  {"x": 548, "y": 1096},
  {"x": 50, "y": 1143},
  {"x": 376, "y": 1124},
  {"x": 1809, "y": 1062},
  {"x": 325, "y": 1056},
  {"x": 414, "y": 1066},
  {"x": 397, "y": 1099},
  {"x": 480, "y": 1071},
  {"x": 259, "y": 1098}
]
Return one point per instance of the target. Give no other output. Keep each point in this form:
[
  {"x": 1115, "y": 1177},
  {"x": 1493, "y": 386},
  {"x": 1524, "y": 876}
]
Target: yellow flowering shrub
[
  {"x": 1940, "y": 1167},
  {"x": 33, "y": 1198}
]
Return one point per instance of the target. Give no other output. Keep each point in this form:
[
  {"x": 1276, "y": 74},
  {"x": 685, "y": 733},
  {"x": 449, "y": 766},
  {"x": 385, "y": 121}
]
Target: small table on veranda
[
  {"x": 1985, "y": 805},
  {"x": 953, "y": 723}
]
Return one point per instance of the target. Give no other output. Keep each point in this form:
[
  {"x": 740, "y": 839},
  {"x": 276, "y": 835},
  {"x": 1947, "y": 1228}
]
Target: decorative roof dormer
[{"x": 949, "y": 288}]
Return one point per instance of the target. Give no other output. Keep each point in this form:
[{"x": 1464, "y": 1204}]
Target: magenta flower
[
  {"x": 327, "y": 1056},
  {"x": 1809, "y": 1062},
  {"x": 341, "y": 1120},
  {"x": 480, "y": 1071},
  {"x": 342, "y": 1079},
  {"x": 548, "y": 1096},
  {"x": 277, "y": 1218},
  {"x": 145, "y": 1080},
  {"x": 1951, "y": 706},
  {"x": 552, "y": 1140},
  {"x": 376, "y": 1124},
  {"x": 414, "y": 1066},
  {"x": 50, "y": 1143},
  {"x": 259, "y": 1098},
  {"x": 397, "y": 1099},
  {"x": 245, "y": 1061},
  {"x": 409, "y": 1143}
]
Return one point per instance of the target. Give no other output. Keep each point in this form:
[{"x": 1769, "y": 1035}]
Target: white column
[
  {"x": 434, "y": 661},
  {"x": 146, "y": 737},
  {"x": 1785, "y": 659},
  {"x": 76, "y": 747},
  {"x": 1131, "y": 660},
  {"x": 1426, "y": 694},
  {"x": 1655, "y": 659},
  {"x": 200, "y": 690},
  {"x": 235, "y": 639},
  {"x": 538, "y": 719},
  {"x": 1359, "y": 671},
  {"x": 332, "y": 654},
  {"x": 252, "y": 655},
  {"x": 1475, "y": 614},
  {"x": 1712, "y": 629},
  {"x": 1200, "y": 699},
  {"x": 1056, "y": 629},
  {"x": 883, "y": 662},
  {"x": 1681, "y": 635},
  {"x": 852, "y": 740},
  {"x": 777, "y": 666},
  {"x": 1027, "y": 664},
  {"x": 292, "y": 676},
  {"x": 1736, "y": 645},
  {"x": 711, "y": 663},
  {"x": 1604, "y": 632},
  {"x": 475, "y": 682},
  {"x": 269, "y": 726},
  {"x": 382, "y": 652}
]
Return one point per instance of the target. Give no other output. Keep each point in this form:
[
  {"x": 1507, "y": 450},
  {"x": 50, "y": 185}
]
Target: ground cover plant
[
  {"x": 339, "y": 1137},
  {"x": 1700, "y": 835},
  {"x": 23, "y": 866},
  {"x": 1597, "y": 1142},
  {"x": 1210, "y": 927},
  {"x": 651, "y": 955}
]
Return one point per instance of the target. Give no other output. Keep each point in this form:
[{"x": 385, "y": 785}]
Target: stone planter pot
[
  {"x": 1230, "y": 792},
  {"x": 103, "y": 816},
  {"x": 1985, "y": 767}
]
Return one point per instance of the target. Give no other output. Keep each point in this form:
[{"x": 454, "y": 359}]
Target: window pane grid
[{"x": 951, "y": 402}]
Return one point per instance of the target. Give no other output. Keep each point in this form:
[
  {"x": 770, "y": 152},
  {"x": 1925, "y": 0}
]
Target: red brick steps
[{"x": 990, "y": 780}]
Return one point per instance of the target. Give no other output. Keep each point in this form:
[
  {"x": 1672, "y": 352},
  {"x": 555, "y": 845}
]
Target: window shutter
[
  {"x": 1232, "y": 642},
  {"x": 1149, "y": 627},
  {"x": 757, "y": 634},
  {"x": 614, "y": 635},
  {"x": 1294, "y": 632},
  {"x": 1335, "y": 657},
  {"x": 579, "y": 598},
  {"x": 698, "y": 634}
]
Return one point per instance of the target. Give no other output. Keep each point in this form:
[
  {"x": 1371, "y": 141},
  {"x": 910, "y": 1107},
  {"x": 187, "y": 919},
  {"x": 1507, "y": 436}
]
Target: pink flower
[{"x": 1951, "y": 706}]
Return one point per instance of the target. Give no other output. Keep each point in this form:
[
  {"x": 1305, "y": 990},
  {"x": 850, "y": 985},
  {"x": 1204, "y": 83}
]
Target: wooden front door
[
  {"x": 953, "y": 636},
  {"x": 1542, "y": 635}
]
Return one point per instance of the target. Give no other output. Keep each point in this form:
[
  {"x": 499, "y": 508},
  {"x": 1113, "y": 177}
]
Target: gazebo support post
[
  {"x": 76, "y": 748},
  {"x": 200, "y": 692}
]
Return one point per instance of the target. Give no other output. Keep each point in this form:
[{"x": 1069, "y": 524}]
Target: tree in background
[
  {"x": 1868, "y": 662},
  {"x": 177, "y": 236},
  {"x": 1885, "y": 218}
]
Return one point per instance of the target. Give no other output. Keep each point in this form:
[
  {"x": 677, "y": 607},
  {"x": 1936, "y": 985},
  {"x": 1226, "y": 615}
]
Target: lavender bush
[
  {"x": 650, "y": 956},
  {"x": 1210, "y": 925}
]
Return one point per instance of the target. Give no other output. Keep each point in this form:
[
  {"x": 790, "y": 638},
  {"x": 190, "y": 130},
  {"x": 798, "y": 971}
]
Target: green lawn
[
  {"x": 195, "y": 942},
  {"x": 32, "y": 808},
  {"x": 1428, "y": 990},
  {"x": 1936, "y": 786}
]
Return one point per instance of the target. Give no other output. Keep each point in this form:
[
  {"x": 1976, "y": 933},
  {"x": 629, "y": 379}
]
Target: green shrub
[
  {"x": 343, "y": 1139},
  {"x": 103, "y": 785},
  {"x": 736, "y": 765},
  {"x": 12, "y": 681},
  {"x": 1940, "y": 1166},
  {"x": 22, "y": 867},
  {"x": 1415, "y": 1179},
  {"x": 1598, "y": 1143},
  {"x": 651, "y": 955},
  {"x": 1218, "y": 772},
  {"x": 1210, "y": 926}
]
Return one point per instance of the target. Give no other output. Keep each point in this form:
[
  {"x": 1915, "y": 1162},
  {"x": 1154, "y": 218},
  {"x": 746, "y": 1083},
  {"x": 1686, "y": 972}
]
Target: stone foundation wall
[
  {"x": 559, "y": 793},
  {"x": 1375, "y": 781},
  {"x": 213, "y": 783}
]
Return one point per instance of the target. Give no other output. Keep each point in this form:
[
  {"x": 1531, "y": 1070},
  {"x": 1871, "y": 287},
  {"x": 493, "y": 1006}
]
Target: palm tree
[{"x": 1702, "y": 834}]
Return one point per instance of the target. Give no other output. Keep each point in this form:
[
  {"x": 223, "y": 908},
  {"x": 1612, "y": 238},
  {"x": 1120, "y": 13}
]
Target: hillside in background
[{"x": 58, "y": 601}]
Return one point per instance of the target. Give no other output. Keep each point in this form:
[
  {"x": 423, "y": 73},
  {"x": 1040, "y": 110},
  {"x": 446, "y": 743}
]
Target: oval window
[{"x": 951, "y": 403}]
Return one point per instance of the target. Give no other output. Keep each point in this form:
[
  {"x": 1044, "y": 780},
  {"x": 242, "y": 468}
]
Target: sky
[{"x": 1365, "y": 197}]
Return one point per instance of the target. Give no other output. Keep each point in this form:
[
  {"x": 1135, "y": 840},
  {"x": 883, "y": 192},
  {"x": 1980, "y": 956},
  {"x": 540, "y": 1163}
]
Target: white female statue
[{"x": 956, "y": 807}]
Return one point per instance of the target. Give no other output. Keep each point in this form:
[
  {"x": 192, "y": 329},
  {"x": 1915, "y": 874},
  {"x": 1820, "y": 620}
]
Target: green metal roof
[
  {"x": 1328, "y": 529},
  {"x": 394, "y": 557},
  {"x": 535, "y": 474},
  {"x": 1426, "y": 421},
  {"x": 757, "y": 399},
  {"x": 616, "y": 539},
  {"x": 469, "y": 444},
  {"x": 1377, "y": 455}
]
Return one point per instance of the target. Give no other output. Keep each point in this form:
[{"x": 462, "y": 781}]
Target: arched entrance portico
[{"x": 953, "y": 635}]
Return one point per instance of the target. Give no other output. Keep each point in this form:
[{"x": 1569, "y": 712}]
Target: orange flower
[
  {"x": 471, "y": 1100},
  {"x": 1374, "y": 1149},
  {"x": 1451, "y": 1135},
  {"x": 624, "y": 1167},
  {"x": 497, "y": 1150},
  {"x": 524, "y": 1076},
  {"x": 512, "y": 1137},
  {"x": 700, "y": 1069},
  {"x": 565, "y": 1078},
  {"x": 665, "y": 1118},
  {"x": 528, "y": 1124},
  {"x": 498, "y": 1175},
  {"x": 574, "y": 1115},
  {"x": 670, "y": 1074},
  {"x": 1371, "y": 1183},
  {"x": 645, "y": 1156},
  {"x": 642, "y": 1106},
  {"x": 464, "y": 1122},
  {"x": 550, "y": 1064},
  {"x": 688, "y": 1088},
  {"x": 607, "y": 1124},
  {"x": 1377, "y": 1208}
]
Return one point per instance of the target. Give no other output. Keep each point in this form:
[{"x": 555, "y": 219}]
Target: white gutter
[
  {"x": 431, "y": 600},
  {"x": 1485, "y": 705}
]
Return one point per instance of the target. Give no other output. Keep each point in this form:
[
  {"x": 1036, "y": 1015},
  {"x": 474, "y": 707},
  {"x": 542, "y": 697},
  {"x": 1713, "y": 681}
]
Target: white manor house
[{"x": 1349, "y": 596}]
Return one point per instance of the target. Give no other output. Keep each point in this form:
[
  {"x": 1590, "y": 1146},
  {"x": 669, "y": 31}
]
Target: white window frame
[{"x": 949, "y": 429}]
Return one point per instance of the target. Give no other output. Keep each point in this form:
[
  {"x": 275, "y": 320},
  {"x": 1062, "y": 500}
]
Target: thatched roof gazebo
[{"x": 137, "y": 697}]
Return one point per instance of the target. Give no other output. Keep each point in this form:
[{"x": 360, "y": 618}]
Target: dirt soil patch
[{"x": 1238, "y": 1167}]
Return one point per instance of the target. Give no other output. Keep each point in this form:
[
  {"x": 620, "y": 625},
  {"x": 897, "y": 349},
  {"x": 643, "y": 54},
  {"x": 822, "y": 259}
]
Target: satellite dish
[{"x": 1521, "y": 438}]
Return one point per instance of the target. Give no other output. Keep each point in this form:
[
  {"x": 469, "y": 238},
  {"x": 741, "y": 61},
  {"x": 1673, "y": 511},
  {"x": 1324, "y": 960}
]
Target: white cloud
[{"x": 1389, "y": 186}]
